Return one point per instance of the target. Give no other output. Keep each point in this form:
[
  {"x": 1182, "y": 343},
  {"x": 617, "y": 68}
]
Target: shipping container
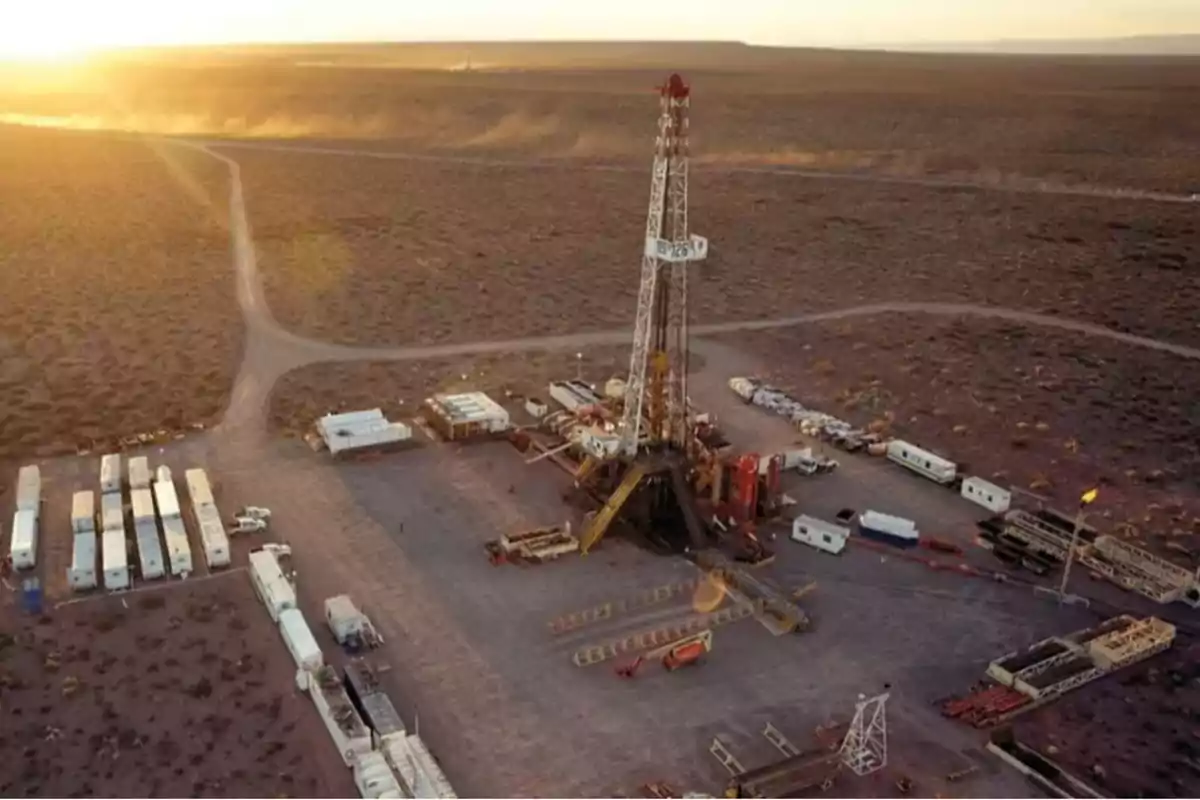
[
  {"x": 167, "y": 500},
  {"x": 350, "y": 735},
  {"x": 374, "y": 778},
  {"x": 150, "y": 553},
  {"x": 372, "y": 702},
  {"x": 885, "y": 528},
  {"x": 179, "y": 549},
  {"x": 272, "y": 587},
  {"x": 212, "y": 536},
  {"x": 987, "y": 494},
  {"x": 820, "y": 534},
  {"x": 82, "y": 573},
  {"x": 930, "y": 465},
  {"x": 299, "y": 640},
  {"x": 115, "y": 559},
  {"x": 23, "y": 548},
  {"x": 142, "y": 501},
  {"x": 112, "y": 512},
  {"x": 139, "y": 473},
  {"x": 163, "y": 473},
  {"x": 83, "y": 512},
  {"x": 110, "y": 473},
  {"x": 29, "y": 489},
  {"x": 199, "y": 489}
]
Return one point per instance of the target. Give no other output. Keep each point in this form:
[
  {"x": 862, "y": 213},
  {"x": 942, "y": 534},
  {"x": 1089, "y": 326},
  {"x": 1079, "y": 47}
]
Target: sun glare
[{"x": 42, "y": 51}]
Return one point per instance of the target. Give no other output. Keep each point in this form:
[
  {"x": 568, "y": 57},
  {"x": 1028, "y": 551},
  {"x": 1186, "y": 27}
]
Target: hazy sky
[{"x": 48, "y": 25}]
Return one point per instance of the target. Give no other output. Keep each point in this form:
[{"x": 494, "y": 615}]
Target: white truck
[{"x": 351, "y": 628}]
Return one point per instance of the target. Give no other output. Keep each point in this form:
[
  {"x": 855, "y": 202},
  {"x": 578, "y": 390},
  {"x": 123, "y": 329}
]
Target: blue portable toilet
[{"x": 31, "y": 596}]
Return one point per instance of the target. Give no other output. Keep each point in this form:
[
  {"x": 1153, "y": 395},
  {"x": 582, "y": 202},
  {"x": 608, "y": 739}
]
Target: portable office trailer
[
  {"x": 110, "y": 473},
  {"x": 179, "y": 549},
  {"x": 83, "y": 512},
  {"x": 82, "y": 573},
  {"x": 299, "y": 640},
  {"x": 374, "y": 778},
  {"x": 987, "y": 494},
  {"x": 167, "y": 500},
  {"x": 29, "y": 489},
  {"x": 150, "y": 553},
  {"x": 23, "y": 548},
  {"x": 199, "y": 488},
  {"x": 140, "y": 475},
  {"x": 212, "y": 536},
  {"x": 112, "y": 512},
  {"x": 270, "y": 583},
  {"x": 930, "y": 465},
  {"x": 885, "y": 528},
  {"x": 115, "y": 559},
  {"x": 349, "y": 733},
  {"x": 820, "y": 534}
]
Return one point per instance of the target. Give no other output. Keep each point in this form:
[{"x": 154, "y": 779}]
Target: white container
[
  {"x": 820, "y": 534},
  {"x": 167, "y": 500},
  {"x": 343, "y": 617},
  {"x": 110, "y": 473},
  {"x": 112, "y": 512},
  {"x": 299, "y": 640},
  {"x": 350, "y": 734},
  {"x": 930, "y": 465},
  {"x": 199, "y": 488},
  {"x": 29, "y": 489},
  {"x": 142, "y": 501},
  {"x": 536, "y": 407},
  {"x": 212, "y": 536},
  {"x": 374, "y": 777},
  {"x": 573, "y": 394},
  {"x": 272, "y": 587},
  {"x": 82, "y": 573},
  {"x": 987, "y": 494},
  {"x": 83, "y": 512},
  {"x": 886, "y": 528},
  {"x": 139, "y": 473},
  {"x": 115, "y": 560},
  {"x": 163, "y": 473},
  {"x": 23, "y": 548},
  {"x": 179, "y": 549},
  {"x": 150, "y": 554},
  {"x": 428, "y": 779}
]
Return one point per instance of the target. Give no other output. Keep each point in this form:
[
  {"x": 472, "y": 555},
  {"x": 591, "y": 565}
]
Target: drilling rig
[{"x": 645, "y": 469}]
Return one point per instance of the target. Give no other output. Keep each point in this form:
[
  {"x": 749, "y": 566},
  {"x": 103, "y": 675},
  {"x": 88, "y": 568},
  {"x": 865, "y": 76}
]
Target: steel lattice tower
[
  {"x": 864, "y": 750},
  {"x": 658, "y": 366}
]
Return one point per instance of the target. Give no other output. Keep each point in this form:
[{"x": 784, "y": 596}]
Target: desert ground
[
  {"x": 116, "y": 298},
  {"x": 1051, "y": 412},
  {"x": 177, "y": 692}
]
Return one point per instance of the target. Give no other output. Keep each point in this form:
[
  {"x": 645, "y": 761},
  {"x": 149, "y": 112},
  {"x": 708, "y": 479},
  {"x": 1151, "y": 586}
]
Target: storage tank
[
  {"x": 139, "y": 473},
  {"x": 29, "y": 489},
  {"x": 110, "y": 473},
  {"x": 179, "y": 549},
  {"x": 83, "y": 512},
  {"x": 23, "y": 548},
  {"x": 82, "y": 573},
  {"x": 115, "y": 559},
  {"x": 112, "y": 512}
]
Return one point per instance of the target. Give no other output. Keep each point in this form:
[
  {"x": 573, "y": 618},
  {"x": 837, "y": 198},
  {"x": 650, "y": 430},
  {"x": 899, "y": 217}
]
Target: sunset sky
[{"x": 57, "y": 27}]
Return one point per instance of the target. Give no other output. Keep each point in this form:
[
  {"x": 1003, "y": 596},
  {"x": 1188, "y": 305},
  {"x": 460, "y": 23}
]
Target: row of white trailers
[
  {"x": 385, "y": 759},
  {"x": 155, "y": 507}
]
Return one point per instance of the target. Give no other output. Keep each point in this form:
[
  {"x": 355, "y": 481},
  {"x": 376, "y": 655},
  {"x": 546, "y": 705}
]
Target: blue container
[
  {"x": 888, "y": 538},
  {"x": 31, "y": 596}
]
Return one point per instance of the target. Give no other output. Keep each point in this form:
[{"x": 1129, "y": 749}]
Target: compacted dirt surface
[
  {"x": 116, "y": 295},
  {"x": 178, "y": 692},
  {"x": 1047, "y": 411}
]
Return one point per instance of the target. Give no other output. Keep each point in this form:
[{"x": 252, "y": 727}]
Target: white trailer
[
  {"x": 83, "y": 512},
  {"x": 139, "y": 473},
  {"x": 110, "y": 473},
  {"x": 23, "y": 548},
  {"x": 820, "y": 534},
  {"x": 420, "y": 775},
  {"x": 112, "y": 512},
  {"x": 167, "y": 500},
  {"x": 150, "y": 554},
  {"x": 115, "y": 559},
  {"x": 179, "y": 549},
  {"x": 29, "y": 489},
  {"x": 163, "y": 473},
  {"x": 199, "y": 488},
  {"x": 271, "y": 585},
  {"x": 350, "y": 627},
  {"x": 142, "y": 503},
  {"x": 350, "y": 734},
  {"x": 212, "y": 536},
  {"x": 374, "y": 778},
  {"x": 896, "y": 531},
  {"x": 923, "y": 462},
  {"x": 987, "y": 494},
  {"x": 299, "y": 640},
  {"x": 82, "y": 573}
]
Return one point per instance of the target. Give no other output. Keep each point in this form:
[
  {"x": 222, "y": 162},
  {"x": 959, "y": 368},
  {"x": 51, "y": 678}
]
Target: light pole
[
  {"x": 579, "y": 366},
  {"x": 1084, "y": 502}
]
